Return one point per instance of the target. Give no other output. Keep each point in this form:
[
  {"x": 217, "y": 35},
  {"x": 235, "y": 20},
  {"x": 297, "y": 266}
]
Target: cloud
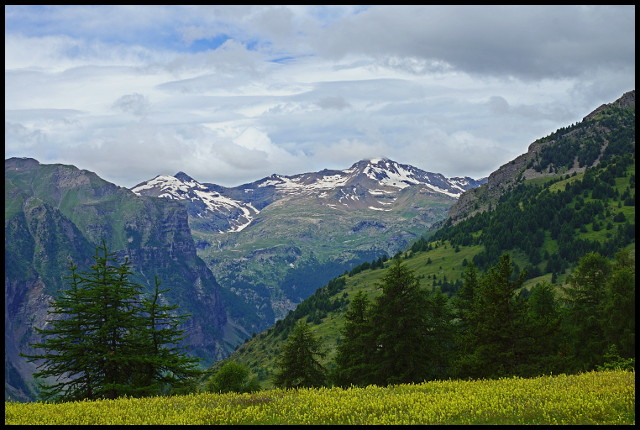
[
  {"x": 135, "y": 103},
  {"x": 525, "y": 41},
  {"x": 231, "y": 94}
]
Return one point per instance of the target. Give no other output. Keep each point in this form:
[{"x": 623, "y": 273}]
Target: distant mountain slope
[{"x": 274, "y": 241}]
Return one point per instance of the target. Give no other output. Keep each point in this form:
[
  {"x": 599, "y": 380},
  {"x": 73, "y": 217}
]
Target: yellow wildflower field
[{"x": 606, "y": 397}]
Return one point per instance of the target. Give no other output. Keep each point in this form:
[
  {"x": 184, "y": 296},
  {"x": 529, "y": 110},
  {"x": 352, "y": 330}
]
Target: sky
[{"x": 232, "y": 94}]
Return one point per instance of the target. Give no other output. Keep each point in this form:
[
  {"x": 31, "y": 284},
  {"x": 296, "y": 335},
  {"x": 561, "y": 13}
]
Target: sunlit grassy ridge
[{"x": 589, "y": 398}]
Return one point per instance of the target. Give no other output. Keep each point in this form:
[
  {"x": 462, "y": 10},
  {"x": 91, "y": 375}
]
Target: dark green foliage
[
  {"x": 166, "y": 366},
  {"x": 404, "y": 336},
  {"x": 356, "y": 346},
  {"x": 105, "y": 341},
  {"x": 600, "y": 310},
  {"x": 543, "y": 328},
  {"x": 232, "y": 377},
  {"x": 298, "y": 364},
  {"x": 400, "y": 324},
  {"x": 495, "y": 326}
]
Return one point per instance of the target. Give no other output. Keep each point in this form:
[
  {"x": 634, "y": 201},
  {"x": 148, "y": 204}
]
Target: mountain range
[
  {"x": 368, "y": 184},
  {"x": 572, "y": 193},
  {"x": 276, "y": 240}
]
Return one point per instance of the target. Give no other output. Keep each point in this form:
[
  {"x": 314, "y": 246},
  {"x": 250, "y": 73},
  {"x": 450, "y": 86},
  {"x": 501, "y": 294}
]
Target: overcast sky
[{"x": 231, "y": 94}]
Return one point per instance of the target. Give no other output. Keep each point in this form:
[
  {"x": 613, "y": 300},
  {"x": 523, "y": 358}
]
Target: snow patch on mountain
[
  {"x": 368, "y": 184},
  {"x": 182, "y": 187}
]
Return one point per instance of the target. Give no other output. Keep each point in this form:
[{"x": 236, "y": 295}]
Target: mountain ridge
[
  {"x": 257, "y": 236},
  {"x": 369, "y": 179}
]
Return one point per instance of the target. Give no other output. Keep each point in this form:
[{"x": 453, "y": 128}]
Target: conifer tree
[
  {"x": 105, "y": 341},
  {"x": 620, "y": 306},
  {"x": 497, "y": 325},
  {"x": 66, "y": 356},
  {"x": 164, "y": 364},
  {"x": 543, "y": 326},
  {"x": 401, "y": 328},
  {"x": 584, "y": 314},
  {"x": 356, "y": 346},
  {"x": 298, "y": 363}
]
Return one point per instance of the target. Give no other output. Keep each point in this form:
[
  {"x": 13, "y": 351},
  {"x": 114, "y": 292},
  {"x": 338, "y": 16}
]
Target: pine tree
[
  {"x": 464, "y": 331},
  {"x": 298, "y": 363},
  {"x": 356, "y": 346},
  {"x": 543, "y": 326},
  {"x": 401, "y": 329},
  {"x": 165, "y": 364},
  {"x": 620, "y": 306},
  {"x": 584, "y": 314},
  {"x": 105, "y": 341},
  {"x": 65, "y": 356},
  {"x": 497, "y": 325}
]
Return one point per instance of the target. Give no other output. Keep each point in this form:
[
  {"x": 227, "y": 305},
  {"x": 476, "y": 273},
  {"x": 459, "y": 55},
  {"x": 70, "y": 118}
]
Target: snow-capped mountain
[
  {"x": 374, "y": 173},
  {"x": 373, "y": 184},
  {"x": 226, "y": 214}
]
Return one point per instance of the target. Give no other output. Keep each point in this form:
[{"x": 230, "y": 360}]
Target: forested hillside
[{"x": 508, "y": 289}]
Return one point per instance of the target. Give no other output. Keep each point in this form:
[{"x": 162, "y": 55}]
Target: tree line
[
  {"x": 488, "y": 330},
  {"x": 107, "y": 340}
]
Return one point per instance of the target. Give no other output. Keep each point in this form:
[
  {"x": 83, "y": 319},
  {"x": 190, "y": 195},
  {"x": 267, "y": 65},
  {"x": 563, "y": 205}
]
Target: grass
[{"x": 606, "y": 398}]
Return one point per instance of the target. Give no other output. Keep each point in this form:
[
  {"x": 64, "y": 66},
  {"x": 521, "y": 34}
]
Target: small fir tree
[
  {"x": 356, "y": 346},
  {"x": 298, "y": 363}
]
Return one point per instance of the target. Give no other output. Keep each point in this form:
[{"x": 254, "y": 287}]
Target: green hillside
[{"x": 599, "y": 206}]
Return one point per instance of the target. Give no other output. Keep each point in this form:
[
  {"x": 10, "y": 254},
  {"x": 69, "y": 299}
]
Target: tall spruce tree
[
  {"x": 299, "y": 364},
  {"x": 584, "y": 312},
  {"x": 165, "y": 366},
  {"x": 403, "y": 328},
  {"x": 620, "y": 306},
  {"x": 100, "y": 343},
  {"x": 356, "y": 346},
  {"x": 496, "y": 326},
  {"x": 463, "y": 303}
]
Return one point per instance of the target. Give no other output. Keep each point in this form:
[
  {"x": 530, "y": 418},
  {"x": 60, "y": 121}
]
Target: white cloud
[{"x": 230, "y": 94}]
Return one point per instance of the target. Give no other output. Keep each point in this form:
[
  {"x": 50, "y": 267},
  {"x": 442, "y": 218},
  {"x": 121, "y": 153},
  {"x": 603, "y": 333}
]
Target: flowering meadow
[{"x": 605, "y": 397}]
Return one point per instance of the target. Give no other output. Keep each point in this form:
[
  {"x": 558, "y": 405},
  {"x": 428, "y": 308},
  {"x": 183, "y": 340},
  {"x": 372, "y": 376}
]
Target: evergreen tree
[
  {"x": 165, "y": 364},
  {"x": 463, "y": 304},
  {"x": 356, "y": 346},
  {"x": 584, "y": 313},
  {"x": 620, "y": 306},
  {"x": 402, "y": 324},
  {"x": 66, "y": 356},
  {"x": 496, "y": 328},
  {"x": 298, "y": 363},
  {"x": 104, "y": 343},
  {"x": 543, "y": 325}
]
